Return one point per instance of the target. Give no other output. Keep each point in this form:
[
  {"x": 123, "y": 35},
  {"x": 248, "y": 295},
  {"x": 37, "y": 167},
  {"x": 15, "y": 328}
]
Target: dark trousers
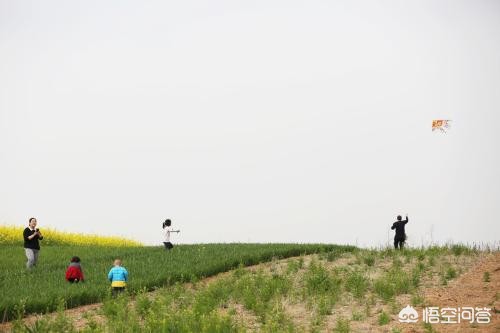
[
  {"x": 117, "y": 290},
  {"x": 168, "y": 245},
  {"x": 399, "y": 242}
]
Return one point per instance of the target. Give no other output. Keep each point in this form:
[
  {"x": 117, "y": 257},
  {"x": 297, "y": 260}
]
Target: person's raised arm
[{"x": 406, "y": 221}]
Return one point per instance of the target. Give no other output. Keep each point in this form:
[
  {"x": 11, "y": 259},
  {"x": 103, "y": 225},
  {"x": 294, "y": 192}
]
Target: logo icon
[{"x": 408, "y": 315}]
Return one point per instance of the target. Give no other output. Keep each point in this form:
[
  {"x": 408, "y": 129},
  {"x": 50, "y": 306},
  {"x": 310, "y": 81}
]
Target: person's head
[
  {"x": 32, "y": 222},
  {"x": 167, "y": 223},
  {"x": 117, "y": 262},
  {"x": 75, "y": 259},
  {"x": 399, "y": 218}
]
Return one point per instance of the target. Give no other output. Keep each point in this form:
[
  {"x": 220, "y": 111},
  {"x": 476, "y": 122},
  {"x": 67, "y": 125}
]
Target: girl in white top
[{"x": 167, "y": 225}]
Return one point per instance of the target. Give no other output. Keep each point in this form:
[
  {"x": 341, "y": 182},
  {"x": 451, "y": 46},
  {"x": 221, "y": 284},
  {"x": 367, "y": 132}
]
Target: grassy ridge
[
  {"x": 338, "y": 290},
  {"x": 12, "y": 235},
  {"x": 42, "y": 289}
]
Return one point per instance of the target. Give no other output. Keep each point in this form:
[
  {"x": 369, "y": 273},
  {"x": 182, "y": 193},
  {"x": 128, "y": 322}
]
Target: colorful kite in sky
[{"x": 441, "y": 125}]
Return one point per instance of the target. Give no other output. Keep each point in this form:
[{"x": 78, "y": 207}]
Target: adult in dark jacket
[
  {"x": 32, "y": 236},
  {"x": 400, "y": 237}
]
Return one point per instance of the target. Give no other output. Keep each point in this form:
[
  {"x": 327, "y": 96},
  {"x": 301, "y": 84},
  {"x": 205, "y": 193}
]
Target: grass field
[
  {"x": 338, "y": 289},
  {"x": 43, "y": 288}
]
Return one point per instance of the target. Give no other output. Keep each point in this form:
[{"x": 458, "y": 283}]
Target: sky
[{"x": 252, "y": 121}]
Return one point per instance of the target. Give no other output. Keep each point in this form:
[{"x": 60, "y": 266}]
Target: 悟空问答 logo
[{"x": 408, "y": 315}]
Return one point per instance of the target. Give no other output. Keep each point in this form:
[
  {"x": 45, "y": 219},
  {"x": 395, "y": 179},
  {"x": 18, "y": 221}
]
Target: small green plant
[
  {"x": 277, "y": 320},
  {"x": 369, "y": 260},
  {"x": 393, "y": 283},
  {"x": 450, "y": 273},
  {"x": 383, "y": 318},
  {"x": 417, "y": 299},
  {"x": 431, "y": 261},
  {"x": 342, "y": 326},
  {"x": 486, "y": 277},
  {"x": 142, "y": 304},
  {"x": 396, "y": 263},
  {"x": 428, "y": 328},
  {"x": 357, "y": 284},
  {"x": 293, "y": 266},
  {"x": 368, "y": 309},
  {"x": 319, "y": 281},
  {"x": 420, "y": 266},
  {"x": 357, "y": 316},
  {"x": 325, "y": 305}
]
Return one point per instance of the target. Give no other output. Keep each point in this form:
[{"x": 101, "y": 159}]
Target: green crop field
[
  {"x": 43, "y": 288},
  {"x": 334, "y": 289}
]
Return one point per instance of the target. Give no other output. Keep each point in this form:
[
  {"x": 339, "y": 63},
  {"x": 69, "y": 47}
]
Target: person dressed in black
[
  {"x": 31, "y": 237},
  {"x": 400, "y": 237}
]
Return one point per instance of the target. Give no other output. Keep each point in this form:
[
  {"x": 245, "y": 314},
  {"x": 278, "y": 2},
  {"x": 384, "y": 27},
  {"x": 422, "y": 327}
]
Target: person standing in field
[
  {"x": 400, "y": 237},
  {"x": 167, "y": 226},
  {"x": 32, "y": 236},
  {"x": 74, "y": 272},
  {"x": 118, "y": 276}
]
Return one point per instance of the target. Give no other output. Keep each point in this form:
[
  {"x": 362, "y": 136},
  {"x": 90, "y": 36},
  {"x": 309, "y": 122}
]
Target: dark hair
[
  {"x": 75, "y": 259},
  {"x": 31, "y": 218},
  {"x": 399, "y": 217},
  {"x": 167, "y": 223}
]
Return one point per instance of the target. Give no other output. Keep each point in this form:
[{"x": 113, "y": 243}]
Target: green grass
[
  {"x": 342, "y": 326},
  {"x": 357, "y": 284},
  {"x": 42, "y": 289},
  {"x": 264, "y": 299},
  {"x": 383, "y": 318}
]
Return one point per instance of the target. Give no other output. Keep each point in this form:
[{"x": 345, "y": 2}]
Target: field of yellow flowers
[{"x": 12, "y": 235}]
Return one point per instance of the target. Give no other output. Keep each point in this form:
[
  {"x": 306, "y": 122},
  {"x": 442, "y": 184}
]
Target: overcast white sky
[{"x": 282, "y": 121}]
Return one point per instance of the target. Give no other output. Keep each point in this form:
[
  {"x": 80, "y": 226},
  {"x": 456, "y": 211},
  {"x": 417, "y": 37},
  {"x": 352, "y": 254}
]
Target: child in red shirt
[{"x": 74, "y": 272}]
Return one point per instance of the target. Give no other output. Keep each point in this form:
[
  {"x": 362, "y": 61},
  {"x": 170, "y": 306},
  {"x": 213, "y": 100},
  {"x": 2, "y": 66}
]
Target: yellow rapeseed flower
[{"x": 13, "y": 235}]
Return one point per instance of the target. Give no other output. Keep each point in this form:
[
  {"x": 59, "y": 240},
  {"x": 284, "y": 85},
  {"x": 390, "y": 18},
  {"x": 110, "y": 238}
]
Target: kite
[{"x": 441, "y": 124}]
